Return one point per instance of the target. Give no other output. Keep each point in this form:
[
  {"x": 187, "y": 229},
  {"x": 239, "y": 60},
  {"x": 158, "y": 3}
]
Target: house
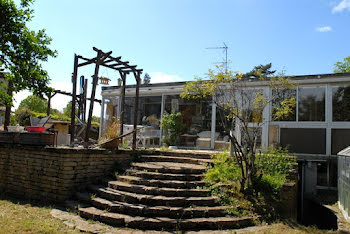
[{"x": 317, "y": 130}]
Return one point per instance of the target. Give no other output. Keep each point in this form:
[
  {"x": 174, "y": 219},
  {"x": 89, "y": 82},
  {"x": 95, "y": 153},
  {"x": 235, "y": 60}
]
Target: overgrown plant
[
  {"x": 273, "y": 166},
  {"x": 112, "y": 130},
  {"x": 242, "y": 105},
  {"x": 172, "y": 126}
]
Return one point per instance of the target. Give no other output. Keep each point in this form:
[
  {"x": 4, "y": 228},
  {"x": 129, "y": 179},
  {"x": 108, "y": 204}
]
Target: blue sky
[{"x": 168, "y": 39}]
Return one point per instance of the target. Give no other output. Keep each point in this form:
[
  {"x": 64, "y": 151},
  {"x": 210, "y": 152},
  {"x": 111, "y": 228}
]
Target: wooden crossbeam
[{"x": 70, "y": 94}]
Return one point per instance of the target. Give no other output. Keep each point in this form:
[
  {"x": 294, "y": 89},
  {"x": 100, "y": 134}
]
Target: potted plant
[{"x": 172, "y": 126}]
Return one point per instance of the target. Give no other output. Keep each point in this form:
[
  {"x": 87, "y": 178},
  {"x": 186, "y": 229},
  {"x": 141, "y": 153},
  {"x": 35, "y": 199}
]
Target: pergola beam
[{"x": 115, "y": 63}]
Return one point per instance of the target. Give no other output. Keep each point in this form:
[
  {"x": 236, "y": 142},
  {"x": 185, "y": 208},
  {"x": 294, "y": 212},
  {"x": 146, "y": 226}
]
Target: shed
[
  {"x": 62, "y": 128},
  {"x": 344, "y": 182}
]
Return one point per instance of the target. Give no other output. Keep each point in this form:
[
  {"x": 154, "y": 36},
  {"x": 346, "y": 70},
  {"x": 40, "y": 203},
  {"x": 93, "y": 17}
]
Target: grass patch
[
  {"x": 290, "y": 227},
  {"x": 21, "y": 216},
  {"x": 223, "y": 178}
]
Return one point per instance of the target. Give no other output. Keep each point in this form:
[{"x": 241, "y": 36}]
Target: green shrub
[
  {"x": 172, "y": 126},
  {"x": 23, "y": 116},
  {"x": 275, "y": 161},
  {"x": 263, "y": 198},
  {"x": 224, "y": 171}
]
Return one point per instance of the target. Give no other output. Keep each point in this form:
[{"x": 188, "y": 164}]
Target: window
[
  {"x": 304, "y": 140},
  {"x": 341, "y": 103},
  {"x": 311, "y": 104},
  {"x": 327, "y": 173},
  {"x": 340, "y": 140},
  {"x": 322, "y": 169},
  {"x": 278, "y": 98}
]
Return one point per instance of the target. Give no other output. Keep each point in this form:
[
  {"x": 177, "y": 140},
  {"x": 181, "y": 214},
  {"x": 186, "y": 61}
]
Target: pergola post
[
  {"x": 137, "y": 75},
  {"x": 48, "y": 104},
  {"x": 122, "y": 108},
  {"x": 93, "y": 92},
  {"x": 74, "y": 96}
]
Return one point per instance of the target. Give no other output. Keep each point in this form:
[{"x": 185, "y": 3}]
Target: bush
[
  {"x": 224, "y": 171},
  {"x": 275, "y": 161},
  {"x": 112, "y": 131},
  {"x": 23, "y": 116},
  {"x": 263, "y": 197},
  {"x": 172, "y": 126}
]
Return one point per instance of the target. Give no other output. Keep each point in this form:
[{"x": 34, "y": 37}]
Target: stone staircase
[{"x": 158, "y": 193}]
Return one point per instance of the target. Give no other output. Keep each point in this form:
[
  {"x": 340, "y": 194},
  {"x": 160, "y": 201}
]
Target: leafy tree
[
  {"x": 147, "y": 79},
  {"x": 21, "y": 53},
  {"x": 342, "y": 66},
  {"x": 34, "y": 103},
  {"x": 241, "y": 105},
  {"x": 68, "y": 109}
]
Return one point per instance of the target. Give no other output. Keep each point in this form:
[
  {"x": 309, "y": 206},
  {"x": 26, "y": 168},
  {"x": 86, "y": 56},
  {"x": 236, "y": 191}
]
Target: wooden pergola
[{"x": 114, "y": 63}]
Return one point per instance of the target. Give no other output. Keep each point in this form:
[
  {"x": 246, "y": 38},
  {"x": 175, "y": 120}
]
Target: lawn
[{"x": 22, "y": 216}]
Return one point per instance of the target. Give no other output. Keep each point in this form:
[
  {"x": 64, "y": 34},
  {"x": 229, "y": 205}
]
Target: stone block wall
[{"x": 55, "y": 173}]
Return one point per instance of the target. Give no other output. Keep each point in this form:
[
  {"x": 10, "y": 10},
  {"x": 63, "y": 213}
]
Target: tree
[
  {"x": 147, "y": 79},
  {"x": 21, "y": 53},
  {"x": 34, "y": 103},
  {"x": 240, "y": 106},
  {"x": 68, "y": 109},
  {"x": 342, "y": 66}
]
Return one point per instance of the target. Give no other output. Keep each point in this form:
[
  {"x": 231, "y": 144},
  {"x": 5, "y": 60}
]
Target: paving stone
[
  {"x": 175, "y": 159},
  {"x": 169, "y": 167},
  {"x": 161, "y": 183},
  {"x": 164, "y": 176},
  {"x": 142, "y": 189}
]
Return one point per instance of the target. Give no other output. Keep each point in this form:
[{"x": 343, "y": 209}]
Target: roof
[
  {"x": 299, "y": 77},
  {"x": 52, "y": 121}
]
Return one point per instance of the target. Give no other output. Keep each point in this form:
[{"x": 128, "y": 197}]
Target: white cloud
[
  {"x": 324, "y": 29},
  {"x": 160, "y": 77},
  {"x": 343, "y": 5}
]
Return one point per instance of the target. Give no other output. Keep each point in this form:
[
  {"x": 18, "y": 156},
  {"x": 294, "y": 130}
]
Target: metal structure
[
  {"x": 114, "y": 63},
  {"x": 225, "y": 48}
]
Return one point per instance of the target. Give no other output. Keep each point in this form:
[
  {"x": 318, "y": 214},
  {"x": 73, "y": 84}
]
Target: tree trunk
[
  {"x": 7, "y": 117},
  {"x": 8, "y": 107}
]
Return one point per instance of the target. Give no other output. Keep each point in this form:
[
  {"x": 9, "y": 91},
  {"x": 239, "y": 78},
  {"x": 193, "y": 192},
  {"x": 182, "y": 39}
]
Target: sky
[{"x": 168, "y": 39}]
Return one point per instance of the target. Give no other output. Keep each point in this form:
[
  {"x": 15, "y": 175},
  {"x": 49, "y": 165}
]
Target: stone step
[
  {"x": 168, "y": 192},
  {"x": 164, "y": 176},
  {"x": 169, "y": 167},
  {"x": 152, "y": 211},
  {"x": 117, "y": 195},
  {"x": 182, "y": 153},
  {"x": 161, "y": 183},
  {"x": 175, "y": 159},
  {"x": 162, "y": 223}
]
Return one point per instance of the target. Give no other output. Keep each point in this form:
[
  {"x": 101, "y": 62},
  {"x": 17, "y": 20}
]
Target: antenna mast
[{"x": 225, "y": 50}]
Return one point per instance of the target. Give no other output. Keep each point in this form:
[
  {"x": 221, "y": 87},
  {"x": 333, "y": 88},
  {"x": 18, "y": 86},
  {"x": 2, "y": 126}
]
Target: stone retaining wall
[{"x": 55, "y": 173}]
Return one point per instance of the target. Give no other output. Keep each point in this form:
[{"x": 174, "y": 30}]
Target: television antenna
[{"x": 225, "y": 47}]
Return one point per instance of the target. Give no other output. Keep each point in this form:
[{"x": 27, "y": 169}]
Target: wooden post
[
  {"x": 84, "y": 100},
  {"x": 122, "y": 108},
  {"x": 74, "y": 97},
  {"x": 93, "y": 92},
  {"x": 48, "y": 104},
  {"x": 137, "y": 75}
]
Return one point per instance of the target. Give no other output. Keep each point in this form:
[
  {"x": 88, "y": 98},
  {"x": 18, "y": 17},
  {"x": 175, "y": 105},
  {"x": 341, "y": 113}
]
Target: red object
[{"x": 35, "y": 129}]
